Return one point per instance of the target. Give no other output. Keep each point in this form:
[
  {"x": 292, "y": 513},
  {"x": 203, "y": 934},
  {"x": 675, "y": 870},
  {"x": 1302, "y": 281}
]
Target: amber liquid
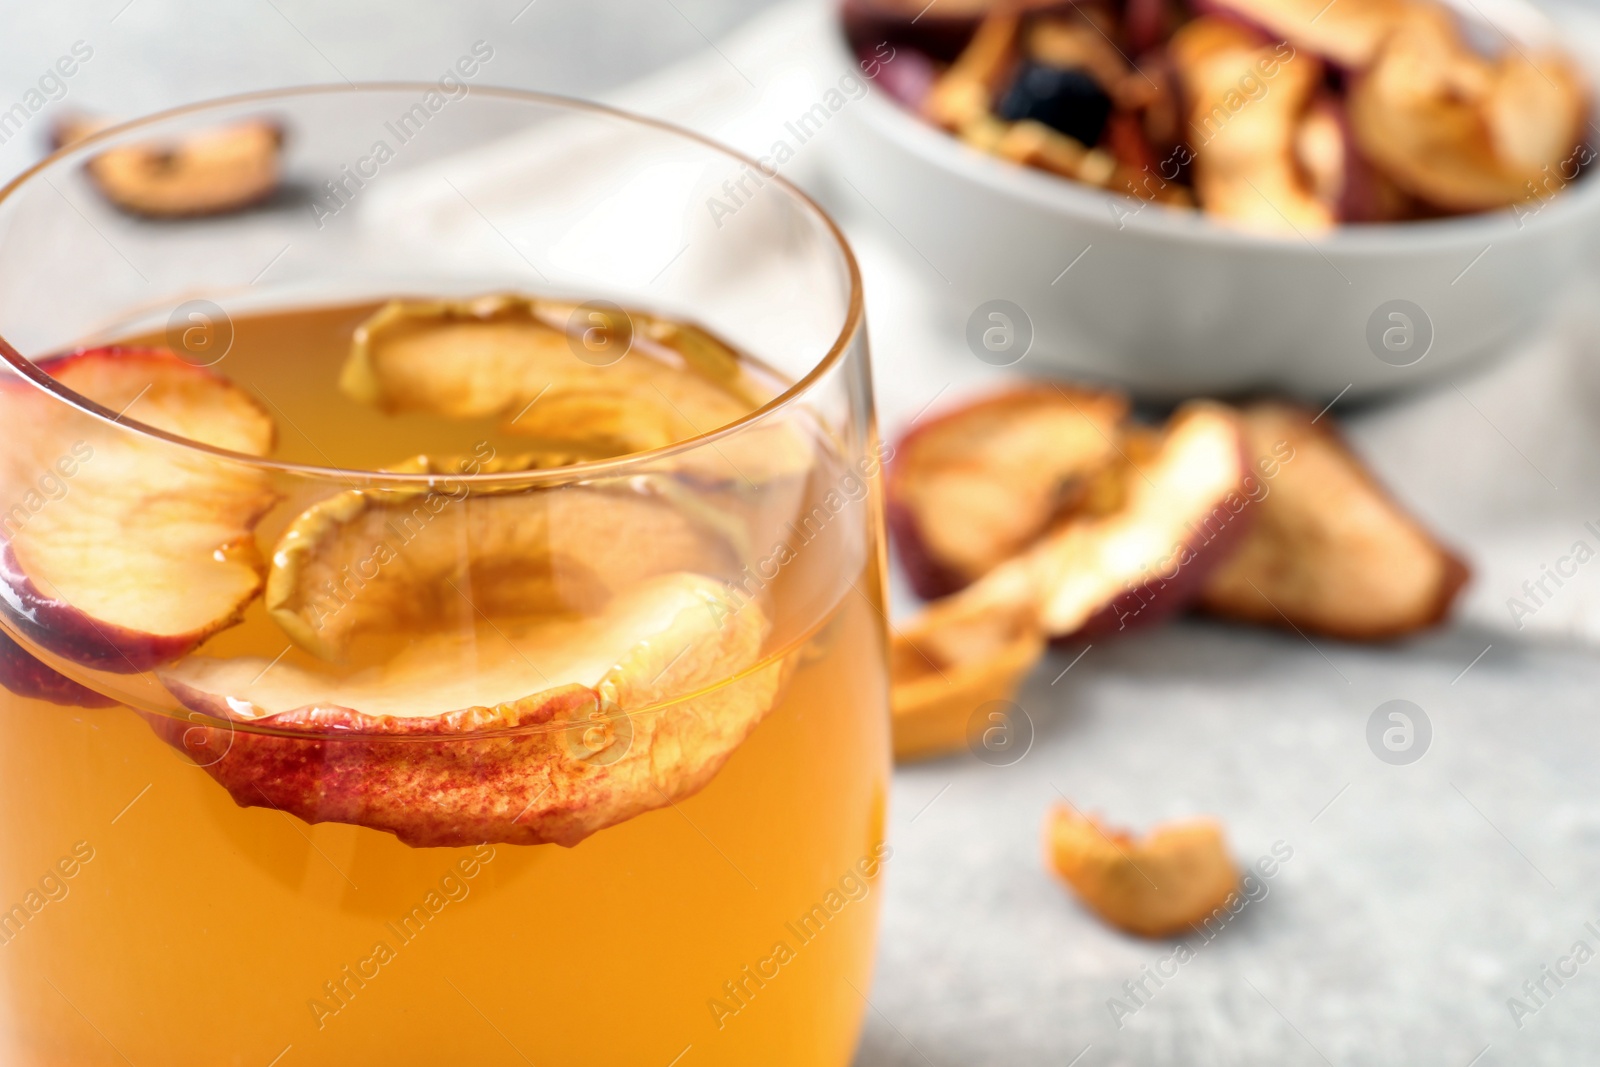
[{"x": 147, "y": 919}]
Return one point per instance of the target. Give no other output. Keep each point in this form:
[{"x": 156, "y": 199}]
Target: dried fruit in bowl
[
  {"x": 1054, "y": 91},
  {"x": 1348, "y": 33},
  {"x": 1289, "y": 116},
  {"x": 966, "y": 93},
  {"x": 1158, "y": 885},
  {"x": 124, "y": 551},
  {"x": 1463, "y": 132},
  {"x": 943, "y": 667},
  {"x": 1078, "y": 40},
  {"x": 545, "y": 731},
  {"x": 973, "y": 487},
  {"x": 211, "y": 172},
  {"x": 1069, "y": 101},
  {"x": 1340, "y": 176},
  {"x": 1246, "y": 96},
  {"x": 1330, "y": 551},
  {"x": 940, "y": 30}
]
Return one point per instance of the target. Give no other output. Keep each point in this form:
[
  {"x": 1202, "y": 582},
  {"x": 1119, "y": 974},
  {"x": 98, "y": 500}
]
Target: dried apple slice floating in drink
[
  {"x": 973, "y": 487},
  {"x": 1244, "y": 145},
  {"x": 147, "y": 548},
  {"x": 512, "y": 358},
  {"x": 1330, "y": 551},
  {"x": 1159, "y": 885},
  {"x": 376, "y": 562},
  {"x": 208, "y": 173},
  {"x": 1183, "y": 509},
  {"x": 1460, "y": 131},
  {"x": 546, "y": 731}
]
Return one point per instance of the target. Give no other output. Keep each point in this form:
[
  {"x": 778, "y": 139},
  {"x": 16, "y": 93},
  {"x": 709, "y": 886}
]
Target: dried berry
[{"x": 1070, "y": 101}]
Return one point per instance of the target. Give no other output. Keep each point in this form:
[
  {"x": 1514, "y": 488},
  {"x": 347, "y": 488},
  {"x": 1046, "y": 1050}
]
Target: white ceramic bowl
[{"x": 1170, "y": 303}]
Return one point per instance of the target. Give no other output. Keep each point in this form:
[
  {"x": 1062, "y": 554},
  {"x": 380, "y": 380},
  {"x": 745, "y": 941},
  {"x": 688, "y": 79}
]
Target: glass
[{"x": 221, "y": 839}]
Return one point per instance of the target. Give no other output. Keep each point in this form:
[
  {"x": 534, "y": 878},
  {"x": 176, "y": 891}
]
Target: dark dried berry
[{"x": 1070, "y": 101}]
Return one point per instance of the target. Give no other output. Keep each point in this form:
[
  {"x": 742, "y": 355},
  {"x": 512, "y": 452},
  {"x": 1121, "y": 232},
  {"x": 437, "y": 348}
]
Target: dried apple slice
[
  {"x": 972, "y": 487},
  {"x": 1244, "y": 145},
  {"x": 1341, "y": 177},
  {"x": 208, "y": 173},
  {"x": 545, "y": 732},
  {"x": 1159, "y": 885},
  {"x": 942, "y": 671},
  {"x": 1183, "y": 509},
  {"x": 146, "y": 550},
  {"x": 1349, "y": 32},
  {"x": 511, "y": 357},
  {"x": 1034, "y": 144},
  {"x": 376, "y": 562},
  {"x": 1330, "y": 551},
  {"x": 1460, "y": 131}
]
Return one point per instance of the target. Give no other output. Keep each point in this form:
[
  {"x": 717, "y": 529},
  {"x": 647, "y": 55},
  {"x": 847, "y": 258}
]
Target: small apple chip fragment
[
  {"x": 941, "y": 671},
  {"x": 1159, "y": 885},
  {"x": 560, "y": 729}
]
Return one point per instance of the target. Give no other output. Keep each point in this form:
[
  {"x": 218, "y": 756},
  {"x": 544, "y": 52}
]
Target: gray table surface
[{"x": 1418, "y": 898}]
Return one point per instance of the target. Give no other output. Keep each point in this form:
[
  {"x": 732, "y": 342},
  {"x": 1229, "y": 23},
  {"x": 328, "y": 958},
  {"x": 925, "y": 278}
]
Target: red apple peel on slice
[
  {"x": 562, "y": 729},
  {"x": 29, "y": 677}
]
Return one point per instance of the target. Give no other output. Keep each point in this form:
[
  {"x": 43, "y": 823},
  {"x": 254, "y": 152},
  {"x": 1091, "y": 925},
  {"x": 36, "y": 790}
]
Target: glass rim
[{"x": 611, "y": 467}]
